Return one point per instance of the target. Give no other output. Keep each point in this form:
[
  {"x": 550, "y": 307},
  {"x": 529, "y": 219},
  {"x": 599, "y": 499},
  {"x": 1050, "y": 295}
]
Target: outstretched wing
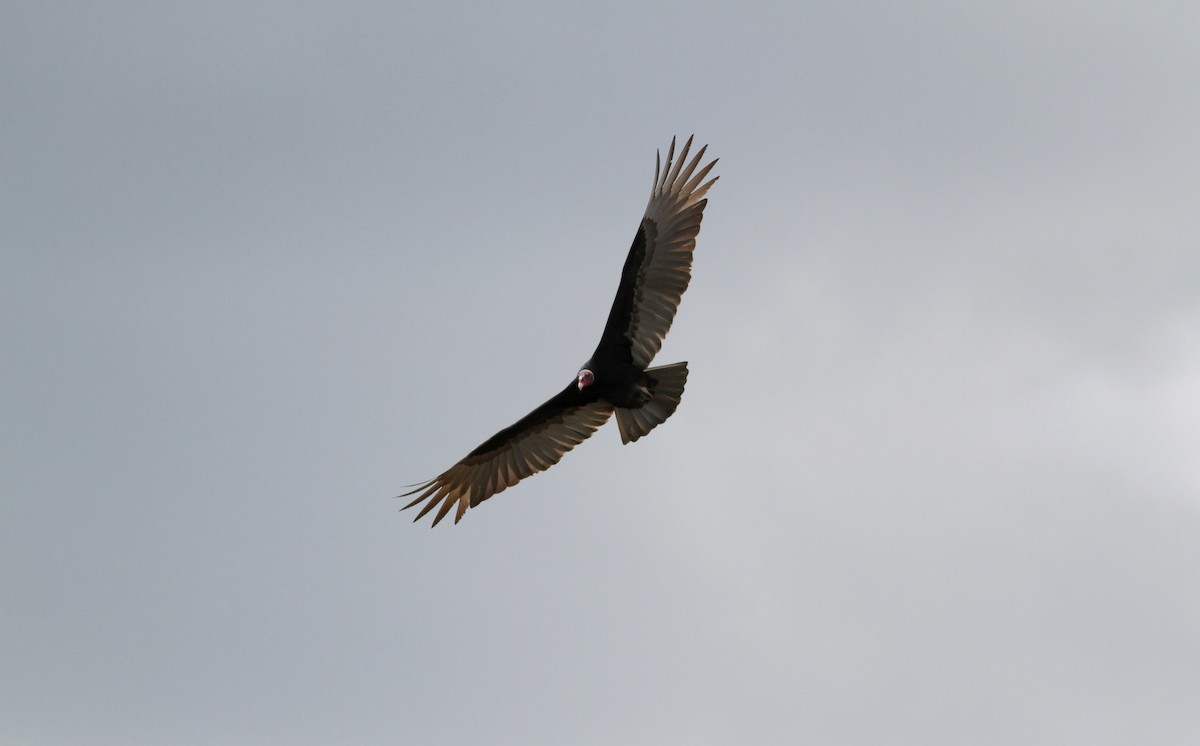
[
  {"x": 659, "y": 266},
  {"x": 534, "y": 443}
]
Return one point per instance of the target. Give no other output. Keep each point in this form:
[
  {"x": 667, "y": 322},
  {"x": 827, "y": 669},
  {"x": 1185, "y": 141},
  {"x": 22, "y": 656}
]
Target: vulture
[{"x": 616, "y": 377}]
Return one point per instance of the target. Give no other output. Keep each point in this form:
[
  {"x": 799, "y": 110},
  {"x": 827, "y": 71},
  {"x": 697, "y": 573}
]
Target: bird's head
[{"x": 586, "y": 378}]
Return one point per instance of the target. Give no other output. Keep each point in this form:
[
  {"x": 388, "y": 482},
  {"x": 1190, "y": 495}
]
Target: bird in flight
[{"x": 615, "y": 378}]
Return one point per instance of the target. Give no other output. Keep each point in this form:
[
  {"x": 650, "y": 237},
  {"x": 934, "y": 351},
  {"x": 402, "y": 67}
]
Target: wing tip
[{"x": 678, "y": 175}]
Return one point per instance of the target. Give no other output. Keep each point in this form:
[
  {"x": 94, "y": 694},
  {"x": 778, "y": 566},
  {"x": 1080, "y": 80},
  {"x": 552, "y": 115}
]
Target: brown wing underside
[
  {"x": 659, "y": 266},
  {"x": 532, "y": 444}
]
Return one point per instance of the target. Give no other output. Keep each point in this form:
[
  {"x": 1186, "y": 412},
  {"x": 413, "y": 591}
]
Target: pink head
[{"x": 586, "y": 379}]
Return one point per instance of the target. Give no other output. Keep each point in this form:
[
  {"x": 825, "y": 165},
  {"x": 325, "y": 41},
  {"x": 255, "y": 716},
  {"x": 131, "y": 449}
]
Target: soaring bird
[{"x": 616, "y": 377}]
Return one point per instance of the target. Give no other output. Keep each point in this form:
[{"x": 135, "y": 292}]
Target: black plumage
[{"x": 616, "y": 377}]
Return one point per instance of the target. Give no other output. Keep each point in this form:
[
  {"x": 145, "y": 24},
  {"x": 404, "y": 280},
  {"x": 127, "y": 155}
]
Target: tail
[{"x": 668, "y": 390}]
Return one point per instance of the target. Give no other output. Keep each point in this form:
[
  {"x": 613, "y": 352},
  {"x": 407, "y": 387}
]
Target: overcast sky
[{"x": 936, "y": 474}]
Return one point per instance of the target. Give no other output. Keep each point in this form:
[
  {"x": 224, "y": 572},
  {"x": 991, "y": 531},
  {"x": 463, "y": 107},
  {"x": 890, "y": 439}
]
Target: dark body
[{"x": 618, "y": 381}]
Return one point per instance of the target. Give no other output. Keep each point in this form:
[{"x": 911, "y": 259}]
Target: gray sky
[{"x": 935, "y": 479}]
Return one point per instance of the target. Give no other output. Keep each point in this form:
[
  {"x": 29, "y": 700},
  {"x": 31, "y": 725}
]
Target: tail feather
[{"x": 668, "y": 390}]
